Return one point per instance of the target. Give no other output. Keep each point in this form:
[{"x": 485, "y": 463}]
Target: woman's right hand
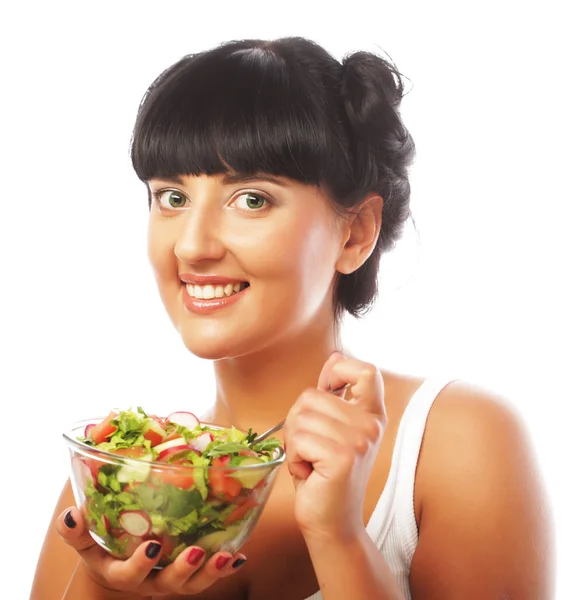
[{"x": 185, "y": 576}]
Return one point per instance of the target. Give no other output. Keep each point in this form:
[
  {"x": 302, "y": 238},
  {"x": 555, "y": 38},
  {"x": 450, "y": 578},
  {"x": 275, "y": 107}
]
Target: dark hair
[{"x": 286, "y": 107}]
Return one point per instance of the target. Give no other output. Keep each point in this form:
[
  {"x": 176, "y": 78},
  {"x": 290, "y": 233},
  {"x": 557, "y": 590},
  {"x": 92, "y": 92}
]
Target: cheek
[
  {"x": 298, "y": 252},
  {"x": 161, "y": 253}
]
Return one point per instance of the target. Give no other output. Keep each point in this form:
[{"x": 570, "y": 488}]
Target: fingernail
[
  {"x": 221, "y": 561},
  {"x": 195, "y": 556},
  {"x": 239, "y": 562},
  {"x": 69, "y": 520},
  {"x": 153, "y": 549}
]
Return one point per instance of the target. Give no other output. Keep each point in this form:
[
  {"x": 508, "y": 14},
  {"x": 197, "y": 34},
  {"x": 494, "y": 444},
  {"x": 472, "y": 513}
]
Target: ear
[{"x": 361, "y": 232}]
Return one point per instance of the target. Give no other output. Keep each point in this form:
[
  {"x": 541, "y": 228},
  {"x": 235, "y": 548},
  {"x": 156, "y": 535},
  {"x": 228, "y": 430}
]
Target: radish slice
[
  {"x": 175, "y": 451},
  {"x": 88, "y": 429},
  {"x": 200, "y": 443},
  {"x": 81, "y": 472},
  {"x": 186, "y": 419},
  {"x": 135, "y": 522},
  {"x": 179, "y": 441}
]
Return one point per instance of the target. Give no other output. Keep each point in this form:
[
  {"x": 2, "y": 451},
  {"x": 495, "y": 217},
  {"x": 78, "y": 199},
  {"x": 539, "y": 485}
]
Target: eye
[
  {"x": 251, "y": 201},
  {"x": 170, "y": 199}
]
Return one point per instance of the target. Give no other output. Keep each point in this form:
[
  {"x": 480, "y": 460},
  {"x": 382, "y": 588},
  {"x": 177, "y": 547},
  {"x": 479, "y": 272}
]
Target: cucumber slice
[
  {"x": 137, "y": 472},
  {"x": 213, "y": 542},
  {"x": 249, "y": 478}
]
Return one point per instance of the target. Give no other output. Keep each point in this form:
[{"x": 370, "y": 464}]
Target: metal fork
[{"x": 340, "y": 391}]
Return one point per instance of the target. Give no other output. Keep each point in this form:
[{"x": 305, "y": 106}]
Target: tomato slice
[
  {"x": 101, "y": 431},
  {"x": 180, "y": 478},
  {"x": 155, "y": 432},
  {"x": 242, "y": 510},
  {"x": 223, "y": 486}
]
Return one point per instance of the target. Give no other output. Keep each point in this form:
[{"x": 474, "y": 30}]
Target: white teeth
[{"x": 209, "y": 292}]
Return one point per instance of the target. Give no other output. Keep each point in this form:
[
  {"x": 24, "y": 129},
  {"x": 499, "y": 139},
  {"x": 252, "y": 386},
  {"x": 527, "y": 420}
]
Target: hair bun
[
  {"x": 369, "y": 79},
  {"x": 372, "y": 90}
]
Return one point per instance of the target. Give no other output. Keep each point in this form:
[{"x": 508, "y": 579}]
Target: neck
[{"x": 257, "y": 390}]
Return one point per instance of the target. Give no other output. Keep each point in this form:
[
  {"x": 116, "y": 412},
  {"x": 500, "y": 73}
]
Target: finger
[
  {"x": 324, "y": 380},
  {"x": 130, "y": 573},
  {"x": 315, "y": 449},
  {"x": 365, "y": 380},
  {"x": 71, "y": 527},
  {"x": 312, "y": 421},
  {"x": 174, "y": 577},
  {"x": 218, "y": 566},
  {"x": 309, "y": 422},
  {"x": 324, "y": 403},
  {"x": 119, "y": 574}
]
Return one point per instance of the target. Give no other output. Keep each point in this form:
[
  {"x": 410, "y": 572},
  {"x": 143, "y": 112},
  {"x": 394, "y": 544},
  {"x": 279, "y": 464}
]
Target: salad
[{"x": 172, "y": 480}]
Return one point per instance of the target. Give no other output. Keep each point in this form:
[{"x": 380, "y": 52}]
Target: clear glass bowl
[{"x": 155, "y": 501}]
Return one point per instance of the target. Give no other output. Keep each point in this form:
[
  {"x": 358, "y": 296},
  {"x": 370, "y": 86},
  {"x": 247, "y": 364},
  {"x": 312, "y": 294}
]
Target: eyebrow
[
  {"x": 240, "y": 178},
  {"x": 230, "y": 178}
]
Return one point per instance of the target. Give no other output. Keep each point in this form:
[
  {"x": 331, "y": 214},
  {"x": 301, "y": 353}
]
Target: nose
[{"x": 200, "y": 237}]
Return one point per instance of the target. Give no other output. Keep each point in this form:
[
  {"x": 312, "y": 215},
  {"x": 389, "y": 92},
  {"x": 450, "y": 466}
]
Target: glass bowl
[{"x": 126, "y": 501}]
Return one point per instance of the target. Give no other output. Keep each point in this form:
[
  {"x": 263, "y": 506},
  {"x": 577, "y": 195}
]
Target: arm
[
  {"x": 331, "y": 445},
  {"x": 485, "y": 527},
  {"x": 352, "y": 569}
]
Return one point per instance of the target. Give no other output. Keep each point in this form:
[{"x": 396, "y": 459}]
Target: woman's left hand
[{"x": 331, "y": 445}]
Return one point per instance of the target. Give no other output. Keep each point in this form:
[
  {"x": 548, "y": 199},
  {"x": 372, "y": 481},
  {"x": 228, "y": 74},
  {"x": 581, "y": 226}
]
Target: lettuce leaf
[
  {"x": 268, "y": 445},
  {"x": 219, "y": 448}
]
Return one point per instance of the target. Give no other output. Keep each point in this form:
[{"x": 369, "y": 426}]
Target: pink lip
[
  {"x": 207, "y": 279},
  {"x": 203, "y": 307}
]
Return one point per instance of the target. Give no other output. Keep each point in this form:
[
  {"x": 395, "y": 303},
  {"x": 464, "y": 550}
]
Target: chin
[
  {"x": 217, "y": 346},
  {"x": 222, "y": 342}
]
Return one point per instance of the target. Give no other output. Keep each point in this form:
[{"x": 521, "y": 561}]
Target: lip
[
  {"x": 207, "y": 279},
  {"x": 203, "y": 307}
]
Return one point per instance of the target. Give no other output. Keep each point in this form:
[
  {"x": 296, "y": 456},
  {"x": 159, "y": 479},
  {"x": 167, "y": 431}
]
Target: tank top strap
[{"x": 397, "y": 499}]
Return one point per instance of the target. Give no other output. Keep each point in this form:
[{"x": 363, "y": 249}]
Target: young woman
[{"x": 277, "y": 176}]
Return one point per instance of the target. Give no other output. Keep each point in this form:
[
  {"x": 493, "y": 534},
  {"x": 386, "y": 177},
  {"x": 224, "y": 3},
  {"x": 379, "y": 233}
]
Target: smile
[{"x": 209, "y": 292}]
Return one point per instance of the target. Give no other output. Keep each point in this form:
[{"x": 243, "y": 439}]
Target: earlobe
[{"x": 364, "y": 227}]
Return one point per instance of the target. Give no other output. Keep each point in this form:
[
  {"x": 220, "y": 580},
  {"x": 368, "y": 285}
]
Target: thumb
[
  {"x": 71, "y": 527},
  {"x": 324, "y": 380},
  {"x": 300, "y": 472}
]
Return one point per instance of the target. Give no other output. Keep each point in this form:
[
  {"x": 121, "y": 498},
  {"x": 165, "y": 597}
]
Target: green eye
[
  {"x": 172, "y": 199},
  {"x": 254, "y": 201},
  {"x": 176, "y": 199}
]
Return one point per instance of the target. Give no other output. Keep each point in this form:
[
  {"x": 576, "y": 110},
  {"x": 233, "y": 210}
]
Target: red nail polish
[
  {"x": 221, "y": 561},
  {"x": 195, "y": 556}
]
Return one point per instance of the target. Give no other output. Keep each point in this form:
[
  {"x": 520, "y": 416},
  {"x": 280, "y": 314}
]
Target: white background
[{"x": 489, "y": 288}]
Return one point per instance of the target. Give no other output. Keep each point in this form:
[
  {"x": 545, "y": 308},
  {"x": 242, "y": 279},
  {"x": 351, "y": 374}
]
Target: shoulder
[
  {"x": 469, "y": 429},
  {"x": 474, "y": 440},
  {"x": 482, "y": 504}
]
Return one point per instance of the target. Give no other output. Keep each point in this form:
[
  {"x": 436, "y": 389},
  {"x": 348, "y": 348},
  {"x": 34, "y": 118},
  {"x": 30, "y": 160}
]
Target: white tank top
[{"x": 392, "y": 525}]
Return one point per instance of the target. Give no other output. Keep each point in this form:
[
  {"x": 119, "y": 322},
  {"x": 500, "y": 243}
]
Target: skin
[{"x": 481, "y": 509}]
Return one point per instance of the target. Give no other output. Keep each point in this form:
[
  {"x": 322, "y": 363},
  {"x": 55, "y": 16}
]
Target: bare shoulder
[
  {"x": 484, "y": 518},
  {"x": 470, "y": 429}
]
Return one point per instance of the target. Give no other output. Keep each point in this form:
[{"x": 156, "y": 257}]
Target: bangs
[{"x": 241, "y": 111}]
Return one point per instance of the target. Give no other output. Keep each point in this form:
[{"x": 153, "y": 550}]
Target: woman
[{"x": 276, "y": 177}]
